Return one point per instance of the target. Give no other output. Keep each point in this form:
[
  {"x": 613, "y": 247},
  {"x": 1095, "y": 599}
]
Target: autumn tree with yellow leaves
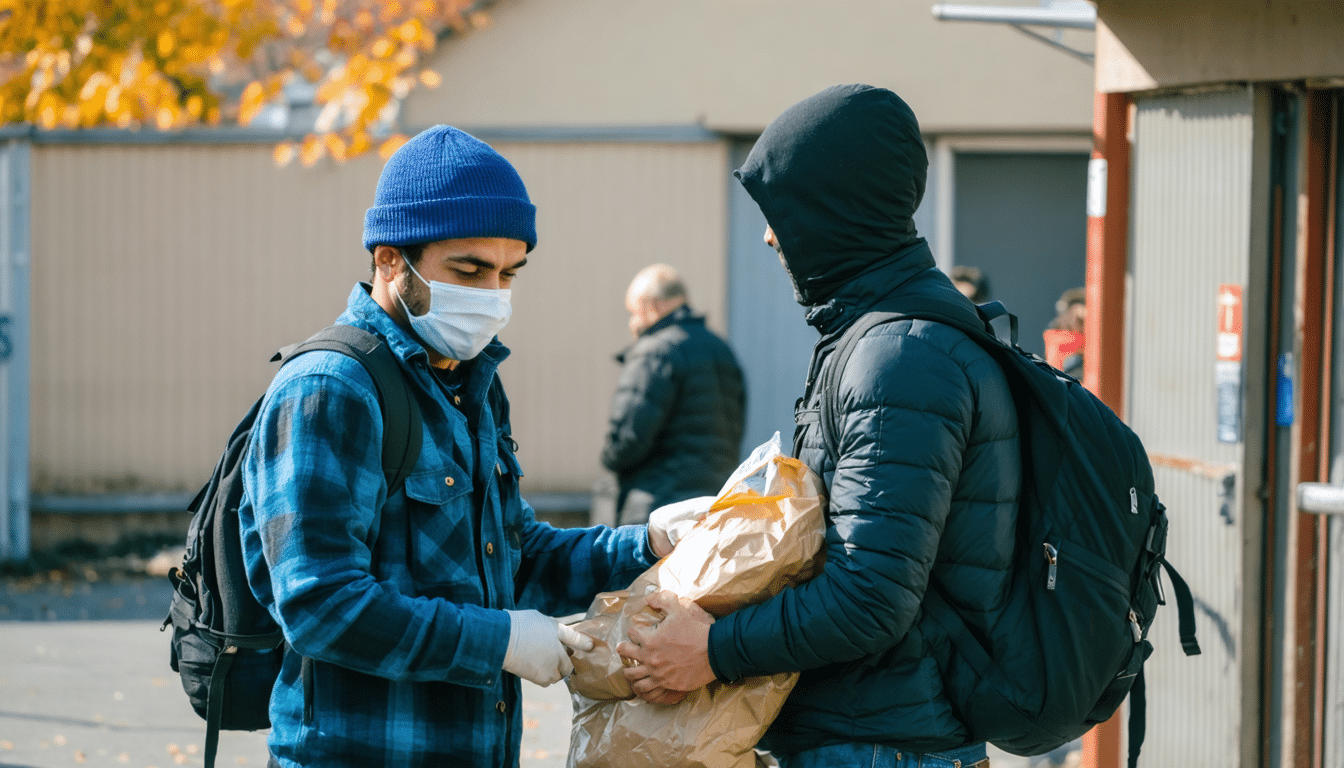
[{"x": 172, "y": 64}]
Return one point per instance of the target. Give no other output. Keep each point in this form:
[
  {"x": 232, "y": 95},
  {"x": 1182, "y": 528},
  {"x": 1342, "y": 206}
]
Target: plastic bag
[{"x": 764, "y": 532}]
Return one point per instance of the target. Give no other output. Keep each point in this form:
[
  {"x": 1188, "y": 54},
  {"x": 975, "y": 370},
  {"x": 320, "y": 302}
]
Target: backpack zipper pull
[
  {"x": 1134, "y": 628},
  {"x": 1133, "y": 502},
  {"x": 1051, "y": 557}
]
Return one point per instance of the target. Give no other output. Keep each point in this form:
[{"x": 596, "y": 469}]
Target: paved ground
[{"x": 84, "y": 680}]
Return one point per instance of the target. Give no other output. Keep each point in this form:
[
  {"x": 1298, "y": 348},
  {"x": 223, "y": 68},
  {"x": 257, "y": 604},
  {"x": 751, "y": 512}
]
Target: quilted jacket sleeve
[
  {"x": 906, "y": 410},
  {"x": 641, "y": 406}
]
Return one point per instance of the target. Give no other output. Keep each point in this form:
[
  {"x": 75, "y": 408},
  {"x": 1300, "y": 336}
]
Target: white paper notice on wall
[
  {"x": 1096, "y": 187},
  {"x": 1227, "y": 362}
]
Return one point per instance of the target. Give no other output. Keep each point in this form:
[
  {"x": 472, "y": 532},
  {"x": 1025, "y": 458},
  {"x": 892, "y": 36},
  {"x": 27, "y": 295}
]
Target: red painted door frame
[
  {"x": 1104, "y": 375},
  {"x": 1104, "y": 351}
]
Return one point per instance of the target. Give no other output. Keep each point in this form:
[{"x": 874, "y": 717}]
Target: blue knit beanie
[{"x": 444, "y": 184}]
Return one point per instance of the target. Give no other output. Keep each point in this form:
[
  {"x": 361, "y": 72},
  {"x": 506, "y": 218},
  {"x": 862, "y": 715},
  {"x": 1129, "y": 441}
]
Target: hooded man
[{"x": 922, "y": 493}]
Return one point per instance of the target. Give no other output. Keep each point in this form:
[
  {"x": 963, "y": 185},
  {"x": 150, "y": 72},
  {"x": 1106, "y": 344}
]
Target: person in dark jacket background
[
  {"x": 923, "y": 491},
  {"x": 680, "y": 406}
]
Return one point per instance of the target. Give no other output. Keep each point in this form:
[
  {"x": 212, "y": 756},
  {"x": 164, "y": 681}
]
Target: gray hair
[{"x": 659, "y": 282}]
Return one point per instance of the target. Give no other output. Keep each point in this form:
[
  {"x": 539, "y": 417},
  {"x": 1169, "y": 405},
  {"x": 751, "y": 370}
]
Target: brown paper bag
[{"x": 763, "y": 533}]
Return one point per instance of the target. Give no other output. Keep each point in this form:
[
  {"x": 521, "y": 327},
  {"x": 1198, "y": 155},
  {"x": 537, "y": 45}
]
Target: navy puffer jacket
[{"x": 923, "y": 492}]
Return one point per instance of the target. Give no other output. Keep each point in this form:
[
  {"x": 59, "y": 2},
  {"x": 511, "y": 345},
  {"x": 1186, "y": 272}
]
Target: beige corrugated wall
[
  {"x": 604, "y": 212},
  {"x": 164, "y": 275}
]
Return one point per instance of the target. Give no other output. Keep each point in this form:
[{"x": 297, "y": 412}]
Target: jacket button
[
  {"x": 500, "y": 707},
  {"x": 489, "y": 548},
  {"x": 448, "y": 480}
]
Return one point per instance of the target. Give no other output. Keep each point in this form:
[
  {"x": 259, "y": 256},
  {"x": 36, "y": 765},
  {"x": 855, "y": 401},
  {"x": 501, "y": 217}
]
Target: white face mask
[{"x": 460, "y": 320}]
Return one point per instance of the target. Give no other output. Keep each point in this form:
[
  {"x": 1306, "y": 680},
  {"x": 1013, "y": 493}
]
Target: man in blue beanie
[{"x": 413, "y": 615}]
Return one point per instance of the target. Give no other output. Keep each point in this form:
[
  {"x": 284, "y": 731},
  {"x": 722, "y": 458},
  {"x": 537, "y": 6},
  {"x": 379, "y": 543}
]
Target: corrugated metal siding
[
  {"x": 1192, "y": 197},
  {"x": 164, "y": 276}
]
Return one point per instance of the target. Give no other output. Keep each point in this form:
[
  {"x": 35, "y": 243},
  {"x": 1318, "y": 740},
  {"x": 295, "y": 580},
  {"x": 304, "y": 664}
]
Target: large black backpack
[
  {"x": 225, "y": 645},
  {"x": 1091, "y": 540}
]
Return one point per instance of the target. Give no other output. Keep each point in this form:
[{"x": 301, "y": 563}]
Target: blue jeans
[{"x": 857, "y": 755}]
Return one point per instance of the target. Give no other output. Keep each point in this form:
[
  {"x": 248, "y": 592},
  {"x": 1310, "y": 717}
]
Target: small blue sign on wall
[{"x": 1283, "y": 407}]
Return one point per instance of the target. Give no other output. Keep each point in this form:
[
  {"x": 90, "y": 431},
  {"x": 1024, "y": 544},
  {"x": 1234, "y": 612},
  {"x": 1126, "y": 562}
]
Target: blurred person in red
[{"x": 1064, "y": 338}]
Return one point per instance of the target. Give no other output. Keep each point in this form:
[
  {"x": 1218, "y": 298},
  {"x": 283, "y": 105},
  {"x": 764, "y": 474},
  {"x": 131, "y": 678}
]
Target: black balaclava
[{"x": 839, "y": 176}]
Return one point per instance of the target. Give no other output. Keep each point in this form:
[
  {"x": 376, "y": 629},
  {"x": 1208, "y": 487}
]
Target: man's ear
[{"x": 387, "y": 261}]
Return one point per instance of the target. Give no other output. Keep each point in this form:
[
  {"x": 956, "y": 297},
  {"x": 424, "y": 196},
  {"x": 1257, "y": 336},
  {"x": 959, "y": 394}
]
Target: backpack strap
[
  {"x": 223, "y": 663},
  {"x": 401, "y": 413},
  {"x": 215, "y": 705},
  {"x": 1138, "y": 718},
  {"x": 1138, "y": 696},
  {"x": 1185, "y": 609},
  {"x": 992, "y": 316}
]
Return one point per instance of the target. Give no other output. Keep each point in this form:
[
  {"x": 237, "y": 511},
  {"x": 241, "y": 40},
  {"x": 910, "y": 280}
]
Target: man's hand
[
  {"x": 671, "y": 658},
  {"x": 537, "y": 647},
  {"x": 670, "y": 522}
]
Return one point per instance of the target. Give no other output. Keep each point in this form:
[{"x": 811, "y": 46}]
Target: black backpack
[
  {"x": 225, "y": 645},
  {"x": 1091, "y": 540}
]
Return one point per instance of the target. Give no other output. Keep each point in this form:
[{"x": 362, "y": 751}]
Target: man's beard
[{"x": 415, "y": 294}]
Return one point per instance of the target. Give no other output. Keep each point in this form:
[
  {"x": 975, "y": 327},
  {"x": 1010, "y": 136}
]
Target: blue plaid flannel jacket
[{"x": 399, "y": 601}]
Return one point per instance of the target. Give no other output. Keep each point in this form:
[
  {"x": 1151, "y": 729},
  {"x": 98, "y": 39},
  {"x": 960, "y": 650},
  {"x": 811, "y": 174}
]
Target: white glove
[
  {"x": 537, "y": 647},
  {"x": 669, "y": 523}
]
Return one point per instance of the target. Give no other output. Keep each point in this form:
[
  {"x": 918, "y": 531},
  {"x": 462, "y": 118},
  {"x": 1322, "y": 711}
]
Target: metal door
[
  {"x": 1021, "y": 218},
  {"x": 1192, "y": 182}
]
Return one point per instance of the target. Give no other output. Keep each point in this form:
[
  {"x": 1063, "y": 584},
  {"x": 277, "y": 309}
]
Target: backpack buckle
[{"x": 1157, "y": 534}]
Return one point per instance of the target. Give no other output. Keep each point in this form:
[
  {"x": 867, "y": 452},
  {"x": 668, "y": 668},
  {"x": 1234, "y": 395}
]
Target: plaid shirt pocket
[{"x": 440, "y": 517}]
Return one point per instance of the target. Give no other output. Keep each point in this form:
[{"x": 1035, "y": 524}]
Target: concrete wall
[
  {"x": 1148, "y": 44},
  {"x": 733, "y": 65}
]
